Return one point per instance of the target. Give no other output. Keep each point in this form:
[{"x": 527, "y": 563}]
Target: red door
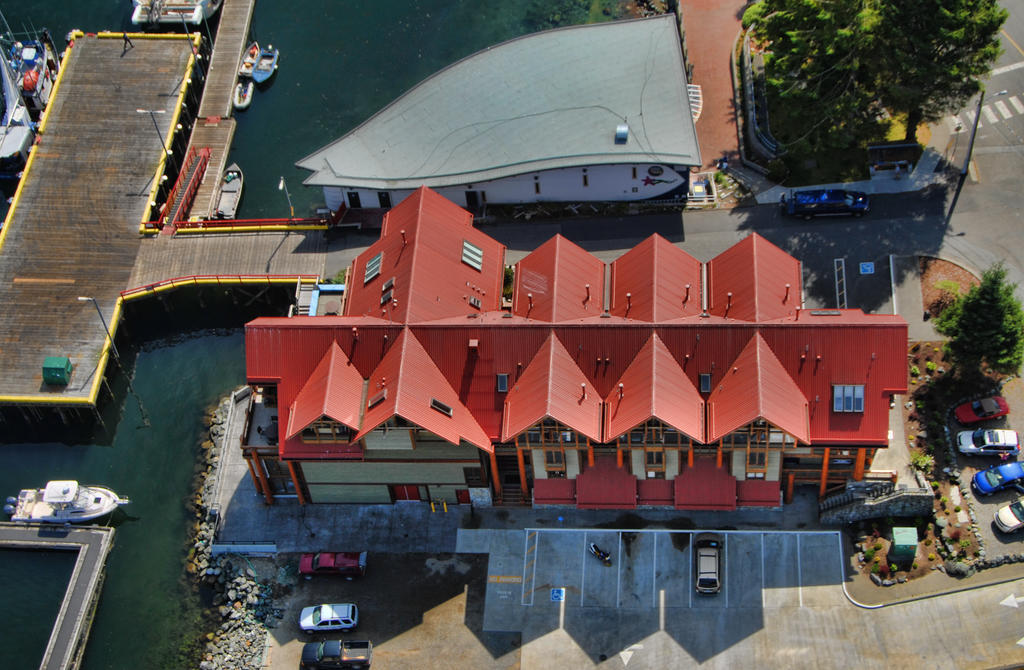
[
  {"x": 405, "y": 492},
  {"x": 462, "y": 496}
]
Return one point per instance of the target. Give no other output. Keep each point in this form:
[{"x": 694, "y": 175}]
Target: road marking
[
  {"x": 990, "y": 116},
  {"x": 618, "y": 574},
  {"x": 661, "y": 610},
  {"x": 799, "y": 573},
  {"x": 505, "y": 579},
  {"x": 763, "y": 596},
  {"x": 583, "y": 572},
  {"x": 1017, "y": 104},
  {"x": 969, "y": 113},
  {"x": 561, "y": 614},
  {"x": 1006, "y": 68},
  {"x": 1011, "y": 601},
  {"x": 1010, "y": 40},
  {"x": 654, "y": 575},
  {"x": 627, "y": 653},
  {"x": 1003, "y": 110},
  {"x": 689, "y": 562}
]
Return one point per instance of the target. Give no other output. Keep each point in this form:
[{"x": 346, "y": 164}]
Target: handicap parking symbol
[
  {"x": 557, "y": 595},
  {"x": 867, "y": 268}
]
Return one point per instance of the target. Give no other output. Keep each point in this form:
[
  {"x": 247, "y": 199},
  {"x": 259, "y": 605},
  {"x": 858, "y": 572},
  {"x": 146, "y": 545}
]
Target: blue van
[{"x": 825, "y": 202}]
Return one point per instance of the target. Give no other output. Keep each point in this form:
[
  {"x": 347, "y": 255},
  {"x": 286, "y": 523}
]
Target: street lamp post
[
  {"x": 974, "y": 128},
  {"x": 281, "y": 186},
  {"x": 113, "y": 347}
]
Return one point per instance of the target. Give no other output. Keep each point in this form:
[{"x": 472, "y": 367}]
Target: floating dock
[{"x": 71, "y": 629}]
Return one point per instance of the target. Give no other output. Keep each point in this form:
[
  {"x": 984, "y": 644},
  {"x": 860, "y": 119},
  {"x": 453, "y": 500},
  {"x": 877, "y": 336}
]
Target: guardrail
[
  {"x": 250, "y": 225},
  {"x": 219, "y": 280}
]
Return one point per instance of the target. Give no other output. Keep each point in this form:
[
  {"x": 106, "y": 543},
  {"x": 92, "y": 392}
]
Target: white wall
[{"x": 605, "y": 183}]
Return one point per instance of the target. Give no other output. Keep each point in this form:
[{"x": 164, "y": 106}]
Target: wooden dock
[
  {"x": 72, "y": 228},
  {"x": 216, "y": 106},
  {"x": 92, "y": 543}
]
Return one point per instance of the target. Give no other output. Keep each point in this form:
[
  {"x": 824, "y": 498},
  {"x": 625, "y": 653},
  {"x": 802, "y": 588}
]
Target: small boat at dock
[
  {"x": 230, "y": 192},
  {"x": 63, "y": 501},
  {"x": 242, "y": 97},
  {"x": 176, "y": 12},
  {"x": 266, "y": 64},
  {"x": 249, "y": 58},
  {"x": 35, "y": 65}
]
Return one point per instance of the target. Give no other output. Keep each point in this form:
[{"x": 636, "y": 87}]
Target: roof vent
[
  {"x": 475, "y": 301},
  {"x": 441, "y": 407},
  {"x": 621, "y": 133}
]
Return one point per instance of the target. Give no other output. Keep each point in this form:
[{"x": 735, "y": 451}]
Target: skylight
[
  {"x": 472, "y": 255},
  {"x": 373, "y": 267}
]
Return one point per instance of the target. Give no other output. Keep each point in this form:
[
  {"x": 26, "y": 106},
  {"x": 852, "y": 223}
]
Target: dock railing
[{"x": 215, "y": 280}]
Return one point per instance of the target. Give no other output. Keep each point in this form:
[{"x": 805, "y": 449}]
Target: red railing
[
  {"x": 217, "y": 224},
  {"x": 219, "y": 280},
  {"x": 192, "y": 185}
]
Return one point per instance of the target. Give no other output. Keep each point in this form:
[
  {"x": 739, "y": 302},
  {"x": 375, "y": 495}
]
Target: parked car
[
  {"x": 980, "y": 410},
  {"x": 1010, "y": 518},
  {"x": 986, "y": 442},
  {"x": 337, "y": 655},
  {"x": 348, "y": 564},
  {"x": 337, "y": 616},
  {"x": 707, "y": 557},
  {"x": 999, "y": 477},
  {"x": 825, "y": 202}
]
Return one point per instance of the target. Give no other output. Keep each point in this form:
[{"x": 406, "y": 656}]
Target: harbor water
[{"x": 341, "y": 60}]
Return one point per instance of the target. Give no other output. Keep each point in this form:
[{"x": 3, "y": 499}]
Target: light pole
[
  {"x": 113, "y": 347},
  {"x": 974, "y": 128},
  {"x": 281, "y": 186}
]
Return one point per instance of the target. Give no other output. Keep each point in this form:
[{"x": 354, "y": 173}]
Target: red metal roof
[
  {"x": 757, "y": 274},
  {"x": 552, "y": 282},
  {"x": 552, "y": 386},
  {"x": 654, "y": 385},
  {"x": 407, "y": 384},
  {"x": 334, "y": 390},
  {"x": 705, "y": 486},
  {"x": 421, "y": 248},
  {"x": 756, "y": 386},
  {"x": 605, "y": 486},
  {"x": 655, "y": 274}
]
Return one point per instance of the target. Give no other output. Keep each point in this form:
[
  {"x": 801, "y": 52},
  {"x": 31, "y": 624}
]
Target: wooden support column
[
  {"x": 858, "y": 467},
  {"x": 618, "y": 457},
  {"x": 718, "y": 455},
  {"x": 495, "y": 479},
  {"x": 522, "y": 471},
  {"x": 824, "y": 474},
  {"x": 789, "y": 487},
  {"x": 295, "y": 482},
  {"x": 590, "y": 454},
  {"x": 264, "y": 484},
  {"x": 689, "y": 456}
]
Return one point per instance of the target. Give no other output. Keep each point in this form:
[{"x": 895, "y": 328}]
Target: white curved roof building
[{"x": 538, "y": 118}]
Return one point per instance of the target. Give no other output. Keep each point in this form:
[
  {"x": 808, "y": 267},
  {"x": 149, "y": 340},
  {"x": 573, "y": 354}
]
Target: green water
[{"x": 341, "y": 60}]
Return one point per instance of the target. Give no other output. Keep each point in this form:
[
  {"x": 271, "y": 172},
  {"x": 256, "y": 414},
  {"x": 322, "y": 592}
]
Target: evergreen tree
[
  {"x": 932, "y": 54},
  {"x": 986, "y": 325}
]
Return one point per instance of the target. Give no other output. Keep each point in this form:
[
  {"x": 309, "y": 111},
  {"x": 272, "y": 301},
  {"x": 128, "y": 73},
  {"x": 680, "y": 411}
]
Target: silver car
[
  {"x": 707, "y": 559},
  {"x": 988, "y": 442},
  {"x": 1010, "y": 518}
]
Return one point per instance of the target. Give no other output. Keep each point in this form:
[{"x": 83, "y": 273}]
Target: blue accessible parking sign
[
  {"x": 867, "y": 268},
  {"x": 557, "y": 595}
]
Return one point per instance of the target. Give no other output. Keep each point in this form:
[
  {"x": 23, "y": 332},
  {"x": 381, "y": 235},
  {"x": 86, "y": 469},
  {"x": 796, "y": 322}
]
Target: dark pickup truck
[
  {"x": 825, "y": 202},
  {"x": 337, "y": 655}
]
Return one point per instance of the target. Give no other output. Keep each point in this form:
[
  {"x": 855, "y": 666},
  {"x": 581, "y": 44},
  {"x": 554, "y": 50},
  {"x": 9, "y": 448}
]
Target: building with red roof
[{"x": 674, "y": 383}]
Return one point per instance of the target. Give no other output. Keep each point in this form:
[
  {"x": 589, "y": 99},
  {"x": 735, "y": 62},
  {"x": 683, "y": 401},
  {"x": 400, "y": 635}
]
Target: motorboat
[
  {"x": 230, "y": 192},
  {"x": 242, "y": 97},
  {"x": 17, "y": 134},
  {"x": 35, "y": 66},
  {"x": 266, "y": 64},
  {"x": 249, "y": 58},
  {"x": 63, "y": 501},
  {"x": 192, "y": 12}
]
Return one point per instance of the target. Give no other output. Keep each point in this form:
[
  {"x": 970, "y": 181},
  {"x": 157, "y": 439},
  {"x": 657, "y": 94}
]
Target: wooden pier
[{"x": 92, "y": 543}]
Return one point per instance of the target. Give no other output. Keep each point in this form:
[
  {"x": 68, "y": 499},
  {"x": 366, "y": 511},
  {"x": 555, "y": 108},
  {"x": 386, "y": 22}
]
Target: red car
[
  {"x": 980, "y": 410},
  {"x": 348, "y": 564}
]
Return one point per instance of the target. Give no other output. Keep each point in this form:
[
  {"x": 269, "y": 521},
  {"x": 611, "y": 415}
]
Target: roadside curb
[{"x": 926, "y": 596}]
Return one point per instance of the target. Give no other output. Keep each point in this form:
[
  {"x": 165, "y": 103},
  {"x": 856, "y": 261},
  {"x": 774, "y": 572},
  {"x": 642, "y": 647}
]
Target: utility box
[
  {"x": 904, "y": 545},
  {"x": 57, "y": 370}
]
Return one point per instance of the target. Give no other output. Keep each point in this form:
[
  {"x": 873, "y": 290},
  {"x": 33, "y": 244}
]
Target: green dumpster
[
  {"x": 904, "y": 545},
  {"x": 57, "y": 370}
]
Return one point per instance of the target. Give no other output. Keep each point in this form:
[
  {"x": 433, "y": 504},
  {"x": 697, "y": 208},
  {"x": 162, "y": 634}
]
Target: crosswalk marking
[
  {"x": 1003, "y": 110},
  {"x": 990, "y": 116},
  {"x": 1017, "y": 104},
  {"x": 969, "y": 113}
]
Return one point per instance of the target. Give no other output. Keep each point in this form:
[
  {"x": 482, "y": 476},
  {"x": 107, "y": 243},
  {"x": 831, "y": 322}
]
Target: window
[
  {"x": 705, "y": 383},
  {"x": 654, "y": 463},
  {"x": 634, "y": 172},
  {"x": 376, "y": 399},
  {"x": 536, "y": 187},
  {"x": 325, "y": 430},
  {"x": 848, "y": 398},
  {"x": 386, "y": 297},
  {"x": 384, "y": 198},
  {"x": 502, "y": 383},
  {"x": 554, "y": 463},
  {"x": 586, "y": 180},
  {"x": 441, "y": 407},
  {"x": 373, "y": 267},
  {"x": 353, "y": 200},
  {"x": 472, "y": 255}
]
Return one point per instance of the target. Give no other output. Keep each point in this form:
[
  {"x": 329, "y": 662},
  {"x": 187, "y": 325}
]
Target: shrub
[
  {"x": 965, "y": 543},
  {"x": 928, "y": 542},
  {"x": 883, "y": 569},
  {"x": 954, "y": 534},
  {"x": 869, "y": 555},
  {"x": 922, "y": 461},
  {"x": 935, "y": 486},
  {"x": 878, "y": 546},
  {"x": 957, "y": 508},
  {"x": 931, "y": 557},
  {"x": 914, "y": 566},
  {"x": 914, "y": 371},
  {"x": 752, "y": 15},
  {"x": 875, "y": 569},
  {"x": 943, "y": 500},
  {"x": 894, "y": 568},
  {"x": 930, "y": 366}
]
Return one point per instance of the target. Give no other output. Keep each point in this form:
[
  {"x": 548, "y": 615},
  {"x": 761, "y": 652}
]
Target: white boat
[
  {"x": 63, "y": 501},
  {"x": 35, "y": 65},
  {"x": 173, "y": 11},
  {"x": 249, "y": 58},
  {"x": 18, "y": 131},
  {"x": 242, "y": 96},
  {"x": 230, "y": 192}
]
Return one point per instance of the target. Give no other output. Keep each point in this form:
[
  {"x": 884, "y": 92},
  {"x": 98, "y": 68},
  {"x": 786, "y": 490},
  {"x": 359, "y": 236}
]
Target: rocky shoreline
[{"x": 243, "y": 606}]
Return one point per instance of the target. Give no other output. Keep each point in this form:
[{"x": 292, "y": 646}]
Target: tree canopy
[
  {"x": 986, "y": 325},
  {"x": 847, "y": 58}
]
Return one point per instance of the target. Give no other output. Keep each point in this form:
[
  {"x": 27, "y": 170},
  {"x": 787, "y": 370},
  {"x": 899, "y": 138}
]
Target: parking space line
[
  {"x": 533, "y": 577},
  {"x": 763, "y": 602},
  {"x": 618, "y": 575},
  {"x": 654, "y": 579},
  {"x": 799, "y": 572},
  {"x": 583, "y": 570},
  {"x": 689, "y": 581},
  {"x": 725, "y": 561},
  {"x": 1017, "y": 104},
  {"x": 661, "y": 610}
]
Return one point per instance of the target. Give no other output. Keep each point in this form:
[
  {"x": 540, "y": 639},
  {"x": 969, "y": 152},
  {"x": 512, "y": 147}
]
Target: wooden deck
[
  {"x": 73, "y": 227},
  {"x": 217, "y": 134}
]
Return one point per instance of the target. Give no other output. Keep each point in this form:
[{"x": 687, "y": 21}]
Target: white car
[
  {"x": 986, "y": 442},
  {"x": 1010, "y": 518},
  {"x": 323, "y": 618}
]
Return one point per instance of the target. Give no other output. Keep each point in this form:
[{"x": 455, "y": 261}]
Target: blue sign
[
  {"x": 557, "y": 595},
  {"x": 867, "y": 268}
]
